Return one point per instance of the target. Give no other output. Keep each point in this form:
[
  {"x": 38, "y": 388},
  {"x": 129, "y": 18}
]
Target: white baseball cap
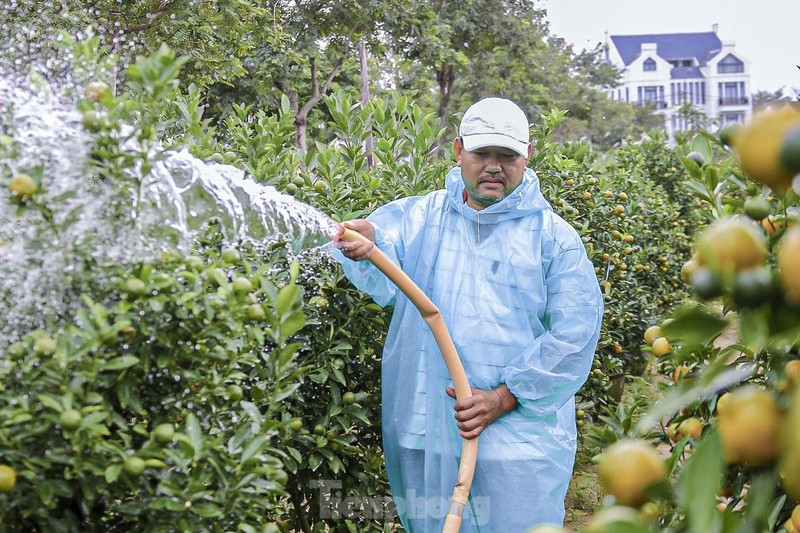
[{"x": 495, "y": 122}]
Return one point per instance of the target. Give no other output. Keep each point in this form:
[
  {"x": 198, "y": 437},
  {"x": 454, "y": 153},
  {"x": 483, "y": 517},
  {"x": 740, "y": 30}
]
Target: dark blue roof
[
  {"x": 683, "y": 73},
  {"x": 671, "y": 46}
]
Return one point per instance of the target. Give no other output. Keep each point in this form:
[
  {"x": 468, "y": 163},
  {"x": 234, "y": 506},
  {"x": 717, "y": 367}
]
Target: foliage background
[{"x": 243, "y": 51}]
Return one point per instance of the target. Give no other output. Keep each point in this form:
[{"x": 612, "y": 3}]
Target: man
[{"x": 523, "y": 306}]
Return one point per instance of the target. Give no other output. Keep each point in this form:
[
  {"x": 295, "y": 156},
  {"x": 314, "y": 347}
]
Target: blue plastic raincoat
[{"x": 523, "y": 306}]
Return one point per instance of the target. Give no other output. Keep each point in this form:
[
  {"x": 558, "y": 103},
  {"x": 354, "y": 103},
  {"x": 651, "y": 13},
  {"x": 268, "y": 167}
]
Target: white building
[{"x": 674, "y": 69}]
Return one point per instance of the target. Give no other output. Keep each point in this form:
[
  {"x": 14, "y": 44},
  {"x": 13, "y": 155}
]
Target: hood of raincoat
[{"x": 525, "y": 199}]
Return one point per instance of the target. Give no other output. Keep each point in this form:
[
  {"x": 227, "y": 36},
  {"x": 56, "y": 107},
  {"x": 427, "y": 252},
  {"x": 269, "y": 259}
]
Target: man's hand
[
  {"x": 358, "y": 250},
  {"x": 474, "y": 414}
]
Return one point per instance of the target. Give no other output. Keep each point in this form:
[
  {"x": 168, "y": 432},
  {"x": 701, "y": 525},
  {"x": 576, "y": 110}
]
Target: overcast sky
[{"x": 766, "y": 32}]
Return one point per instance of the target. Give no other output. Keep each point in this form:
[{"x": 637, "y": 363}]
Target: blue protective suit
[{"x": 523, "y": 306}]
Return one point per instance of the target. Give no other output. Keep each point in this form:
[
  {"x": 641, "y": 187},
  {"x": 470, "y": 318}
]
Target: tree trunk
[
  {"x": 294, "y": 106},
  {"x": 369, "y": 142},
  {"x": 301, "y": 128},
  {"x": 445, "y": 76},
  {"x": 317, "y": 93}
]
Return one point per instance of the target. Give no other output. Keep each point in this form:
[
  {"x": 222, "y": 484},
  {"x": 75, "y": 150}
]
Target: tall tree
[
  {"x": 764, "y": 98},
  {"x": 318, "y": 40},
  {"x": 217, "y": 35},
  {"x": 448, "y": 36},
  {"x": 238, "y": 49},
  {"x": 447, "y": 53},
  {"x": 477, "y": 48}
]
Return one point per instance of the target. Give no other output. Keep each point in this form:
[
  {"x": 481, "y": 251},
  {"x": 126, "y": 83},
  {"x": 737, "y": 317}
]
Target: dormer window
[
  {"x": 730, "y": 65},
  {"x": 649, "y": 65}
]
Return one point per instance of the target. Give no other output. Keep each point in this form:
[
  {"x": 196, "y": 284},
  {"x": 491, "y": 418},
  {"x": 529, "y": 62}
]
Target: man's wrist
[{"x": 507, "y": 400}]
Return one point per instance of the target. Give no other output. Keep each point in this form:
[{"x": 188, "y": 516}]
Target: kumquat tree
[{"x": 179, "y": 350}]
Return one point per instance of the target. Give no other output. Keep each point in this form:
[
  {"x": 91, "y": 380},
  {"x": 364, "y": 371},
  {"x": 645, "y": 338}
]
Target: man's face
[{"x": 490, "y": 174}]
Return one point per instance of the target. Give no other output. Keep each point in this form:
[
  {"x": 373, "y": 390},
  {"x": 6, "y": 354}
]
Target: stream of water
[{"x": 85, "y": 222}]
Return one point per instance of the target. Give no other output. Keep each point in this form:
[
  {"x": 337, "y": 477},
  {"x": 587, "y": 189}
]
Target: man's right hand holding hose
[{"x": 358, "y": 250}]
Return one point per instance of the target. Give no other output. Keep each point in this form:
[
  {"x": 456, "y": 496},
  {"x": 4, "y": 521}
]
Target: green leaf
[
  {"x": 288, "y": 299},
  {"x": 760, "y": 500},
  {"x": 253, "y": 412},
  {"x": 252, "y": 448},
  {"x": 128, "y": 394},
  {"x": 296, "y": 454},
  {"x": 338, "y": 376},
  {"x": 712, "y": 379},
  {"x": 120, "y": 363},
  {"x": 206, "y": 510},
  {"x": 701, "y": 144},
  {"x": 97, "y": 429},
  {"x": 695, "y": 325},
  {"x": 774, "y": 511},
  {"x": 51, "y": 402},
  {"x": 336, "y": 465},
  {"x": 112, "y": 472},
  {"x": 699, "y": 481},
  {"x": 175, "y": 505},
  {"x": 18, "y": 418},
  {"x": 692, "y": 167},
  {"x": 292, "y": 323},
  {"x": 194, "y": 433},
  {"x": 45, "y": 491},
  {"x": 677, "y": 453},
  {"x": 285, "y": 392},
  {"x": 219, "y": 277},
  {"x": 287, "y": 354},
  {"x": 242, "y": 434},
  {"x": 359, "y": 414},
  {"x": 754, "y": 326},
  {"x": 343, "y": 347}
]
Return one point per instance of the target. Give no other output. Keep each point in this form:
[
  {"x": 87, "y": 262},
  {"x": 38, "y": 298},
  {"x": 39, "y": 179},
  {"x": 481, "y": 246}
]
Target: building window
[
  {"x": 732, "y": 93},
  {"x": 728, "y": 118},
  {"x": 730, "y": 65},
  {"x": 649, "y": 65},
  {"x": 652, "y": 94}
]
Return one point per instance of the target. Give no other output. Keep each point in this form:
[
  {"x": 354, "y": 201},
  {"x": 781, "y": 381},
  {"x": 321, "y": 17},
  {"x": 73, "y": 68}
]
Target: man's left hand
[{"x": 474, "y": 414}]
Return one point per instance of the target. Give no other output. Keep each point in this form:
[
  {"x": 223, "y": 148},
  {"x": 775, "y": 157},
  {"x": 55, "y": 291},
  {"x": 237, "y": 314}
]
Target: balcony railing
[{"x": 736, "y": 100}]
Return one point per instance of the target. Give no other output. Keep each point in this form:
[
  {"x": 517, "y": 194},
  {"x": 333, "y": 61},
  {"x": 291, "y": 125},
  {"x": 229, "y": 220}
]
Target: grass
[{"x": 585, "y": 493}]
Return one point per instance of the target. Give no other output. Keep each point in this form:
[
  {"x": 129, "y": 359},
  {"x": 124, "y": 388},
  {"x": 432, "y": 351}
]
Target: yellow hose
[{"x": 433, "y": 317}]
